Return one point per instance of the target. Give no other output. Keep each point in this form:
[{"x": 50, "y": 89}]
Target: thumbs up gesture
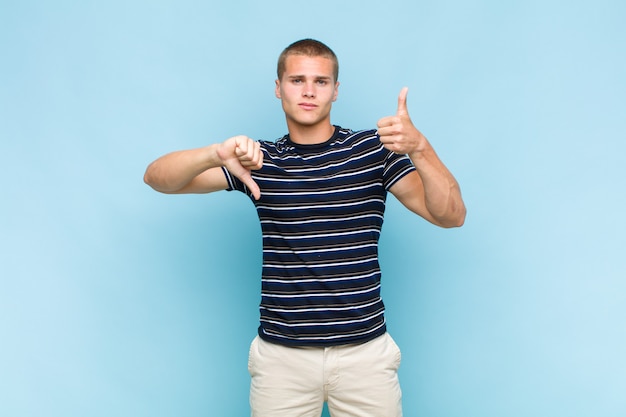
[{"x": 397, "y": 133}]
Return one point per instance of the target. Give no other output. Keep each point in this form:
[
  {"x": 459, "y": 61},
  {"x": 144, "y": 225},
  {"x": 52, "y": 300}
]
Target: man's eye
[
  {"x": 322, "y": 82},
  {"x": 297, "y": 81}
]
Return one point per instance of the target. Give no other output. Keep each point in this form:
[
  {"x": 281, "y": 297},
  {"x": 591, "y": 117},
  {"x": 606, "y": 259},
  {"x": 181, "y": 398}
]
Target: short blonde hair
[{"x": 307, "y": 47}]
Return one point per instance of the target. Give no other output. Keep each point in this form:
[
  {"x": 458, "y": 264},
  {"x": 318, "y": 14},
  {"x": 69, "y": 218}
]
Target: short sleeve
[
  {"x": 396, "y": 167},
  {"x": 234, "y": 183}
]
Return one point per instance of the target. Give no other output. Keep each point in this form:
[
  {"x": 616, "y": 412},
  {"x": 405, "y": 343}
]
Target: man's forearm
[
  {"x": 442, "y": 193},
  {"x": 175, "y": 170}
]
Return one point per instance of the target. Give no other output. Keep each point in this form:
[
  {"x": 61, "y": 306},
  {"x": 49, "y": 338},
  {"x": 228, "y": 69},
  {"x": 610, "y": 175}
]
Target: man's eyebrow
[{"x": 317, "y": 77}]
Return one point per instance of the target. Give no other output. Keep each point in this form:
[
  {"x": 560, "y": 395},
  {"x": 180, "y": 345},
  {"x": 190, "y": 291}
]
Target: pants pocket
[
  {"x": 252, "y": 353},
  {"x": 396, "y": 354}
]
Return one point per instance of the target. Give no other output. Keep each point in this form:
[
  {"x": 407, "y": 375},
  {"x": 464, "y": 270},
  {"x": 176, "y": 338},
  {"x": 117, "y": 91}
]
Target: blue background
[{"x": 119, "y": 301}]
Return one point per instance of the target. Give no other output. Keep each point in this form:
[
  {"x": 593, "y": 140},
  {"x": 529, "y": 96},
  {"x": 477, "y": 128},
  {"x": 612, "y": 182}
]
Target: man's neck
[{"x": 310, "y": 135}]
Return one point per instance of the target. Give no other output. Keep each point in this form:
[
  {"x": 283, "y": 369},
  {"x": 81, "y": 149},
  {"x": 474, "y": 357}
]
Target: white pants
[{"x": 356, "y": 380}]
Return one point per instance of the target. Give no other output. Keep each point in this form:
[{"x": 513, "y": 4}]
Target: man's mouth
[{"x": 307, "y": 106}]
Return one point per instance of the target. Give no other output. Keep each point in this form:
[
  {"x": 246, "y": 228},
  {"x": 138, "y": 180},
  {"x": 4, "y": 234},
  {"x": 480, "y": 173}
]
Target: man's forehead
[{"x": 308, "y": 65}]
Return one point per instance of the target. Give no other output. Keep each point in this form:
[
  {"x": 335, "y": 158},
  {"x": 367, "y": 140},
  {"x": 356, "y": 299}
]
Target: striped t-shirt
[{"x": 321, "y": 211}]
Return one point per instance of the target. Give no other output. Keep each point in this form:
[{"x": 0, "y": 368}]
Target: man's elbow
[
  {"x": 458, "y": 221},
  {"x": 455, "y": 218},
  {"x": 153, "y": 181},
  {"x": 149, "y": 179}
]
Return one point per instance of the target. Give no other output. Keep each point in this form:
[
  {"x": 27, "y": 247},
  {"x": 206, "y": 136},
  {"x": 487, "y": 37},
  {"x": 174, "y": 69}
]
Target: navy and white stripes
[{"x": 321, "y": 212}]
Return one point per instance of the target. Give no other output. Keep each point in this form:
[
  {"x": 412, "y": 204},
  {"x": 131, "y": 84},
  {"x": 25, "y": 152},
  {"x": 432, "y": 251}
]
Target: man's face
[{"x": 307, "y": 90}]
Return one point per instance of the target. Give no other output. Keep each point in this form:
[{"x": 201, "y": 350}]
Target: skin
[
  {"x": 432, "y": 191},
  {"x": 307, "y": 90}
]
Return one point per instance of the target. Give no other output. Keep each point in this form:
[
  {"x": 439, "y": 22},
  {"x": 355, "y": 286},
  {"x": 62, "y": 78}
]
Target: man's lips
[{"x": 307, "y": 106}]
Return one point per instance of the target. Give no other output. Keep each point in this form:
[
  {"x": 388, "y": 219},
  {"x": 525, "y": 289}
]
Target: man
[{"x": 320, "y": 195}]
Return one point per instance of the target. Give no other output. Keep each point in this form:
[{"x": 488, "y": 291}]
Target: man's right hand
[{"x": 240, "y": 155}]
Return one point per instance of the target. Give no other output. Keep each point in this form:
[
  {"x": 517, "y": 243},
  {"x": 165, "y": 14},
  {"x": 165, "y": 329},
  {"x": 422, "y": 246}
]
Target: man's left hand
[{"x": 397, "y": 133}]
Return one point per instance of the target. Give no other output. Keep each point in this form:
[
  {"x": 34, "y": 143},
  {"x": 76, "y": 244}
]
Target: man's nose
[{"x": 309, "y": 90}]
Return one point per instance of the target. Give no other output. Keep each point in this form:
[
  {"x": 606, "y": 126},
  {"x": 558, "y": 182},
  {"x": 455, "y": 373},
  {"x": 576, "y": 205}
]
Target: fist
[{"x": 240, "y": 155}]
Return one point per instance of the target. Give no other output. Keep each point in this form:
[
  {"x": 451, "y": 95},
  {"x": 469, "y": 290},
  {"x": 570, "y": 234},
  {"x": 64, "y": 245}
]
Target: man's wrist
[{"x": 213, "y": 155}]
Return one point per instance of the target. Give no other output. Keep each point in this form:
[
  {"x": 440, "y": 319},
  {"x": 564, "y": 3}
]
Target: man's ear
[
  {"x": 336, "y": 91},
  {"x": 277, "y": 90}
]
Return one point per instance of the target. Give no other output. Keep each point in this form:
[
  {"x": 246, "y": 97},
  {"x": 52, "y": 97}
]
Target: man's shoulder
[
  {"x": 276, "y": 147},
  {"x": 351, "y": 137}
]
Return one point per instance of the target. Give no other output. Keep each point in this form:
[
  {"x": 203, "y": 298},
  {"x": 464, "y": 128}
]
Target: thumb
[
  {"x": 402, "y": 108},
  {"x": 254, "y": 189},
  {"x": 244, "y": 174},
  {"x": 246, "y": 178}
]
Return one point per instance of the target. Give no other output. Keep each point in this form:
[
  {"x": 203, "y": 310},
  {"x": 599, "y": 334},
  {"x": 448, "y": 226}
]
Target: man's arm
[
  {"x": 432, "y": 192},
  {"x": 199, "y": 170}
]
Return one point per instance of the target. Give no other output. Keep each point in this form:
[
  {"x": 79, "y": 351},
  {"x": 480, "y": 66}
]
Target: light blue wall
[{"x": 118, "y": 301}]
